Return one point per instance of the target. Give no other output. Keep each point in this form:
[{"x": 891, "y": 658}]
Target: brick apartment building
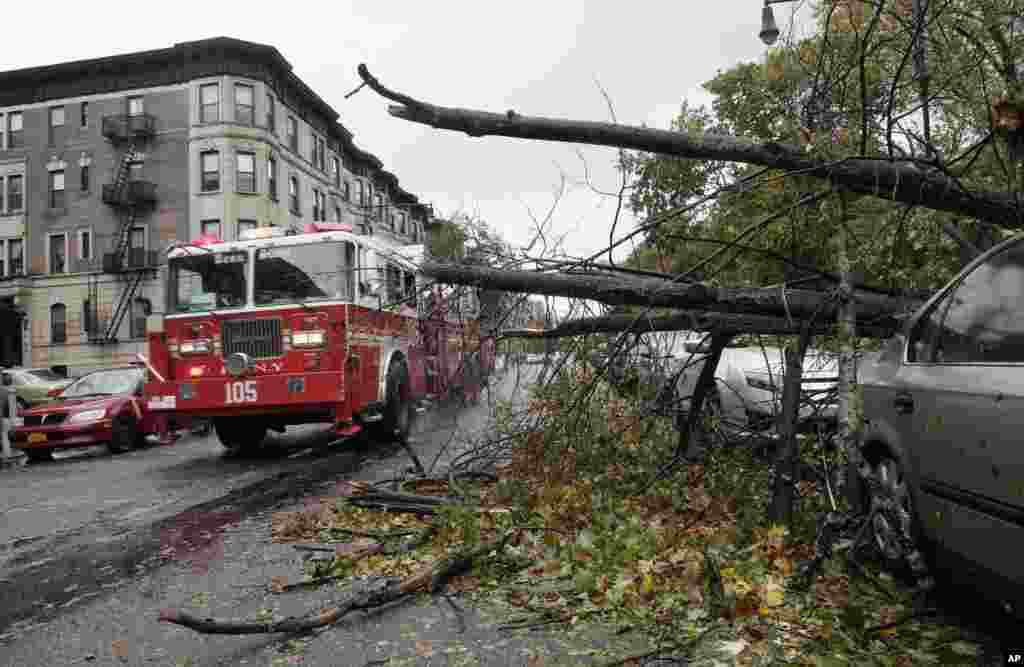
[{"x": 105, "y": 163}]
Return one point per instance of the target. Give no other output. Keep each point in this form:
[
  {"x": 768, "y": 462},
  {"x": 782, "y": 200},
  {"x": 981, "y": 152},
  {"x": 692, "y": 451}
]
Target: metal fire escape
[{"x": 129, "y": 197}]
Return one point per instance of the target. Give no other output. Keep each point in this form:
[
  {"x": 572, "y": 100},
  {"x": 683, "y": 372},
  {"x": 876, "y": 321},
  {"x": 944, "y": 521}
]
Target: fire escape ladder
[{"x": 124, "y": 305}]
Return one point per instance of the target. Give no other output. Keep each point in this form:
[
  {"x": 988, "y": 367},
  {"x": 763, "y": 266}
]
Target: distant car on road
[
  {"x": 33, "y": 386},
  {"x": 102, "y": 407}
]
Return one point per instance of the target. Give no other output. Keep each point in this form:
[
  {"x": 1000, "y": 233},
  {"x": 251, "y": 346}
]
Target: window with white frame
[
  {"x": 136, "y": 106},
  {"x": 245, "y": 111},
  {"x": 246, "y": 172},
  {"x": 58, "y": 323},
  {"x": 245, "y": 226},
  {"x": 210, "y": 166},
  {"x": 293, "y": 194},
  {"x": 293, "y": 133},
  {"x": 57, "y": 257},
  {"x": 209, "y": 103},
  {"x": 210, "y": 228},
  {"x": 57, "y": 189},
  {"x": 272, "y": 177},
  {"x": 336, "y": 170},
  {"x": 15, "y": 192},
  {"x": 15, "y": 254},
  {"x": 15, "y": 130},
  {"x": 271, "y": 115}
]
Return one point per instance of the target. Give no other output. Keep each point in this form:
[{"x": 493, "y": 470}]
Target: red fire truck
[{"x": 323, "y": 326}]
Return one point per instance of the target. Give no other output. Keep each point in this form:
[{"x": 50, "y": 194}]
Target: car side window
[{"x": 981, "y": 319}]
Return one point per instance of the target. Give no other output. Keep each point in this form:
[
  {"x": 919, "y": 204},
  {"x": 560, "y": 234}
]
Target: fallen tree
[
  {"x": 710, "y": 322},
  {"x": 908, "y": 181},
  {"x": 873, "y": 309}
]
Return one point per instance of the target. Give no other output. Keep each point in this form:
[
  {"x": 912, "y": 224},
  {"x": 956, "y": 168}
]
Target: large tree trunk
[
  {"x": 902, "y": 181},
  {"x": 848, "y": 408},
  {"x": 876, "y": 309},
  {"x": 687, "y": 321},
  {"x": 781, "y": 509}
]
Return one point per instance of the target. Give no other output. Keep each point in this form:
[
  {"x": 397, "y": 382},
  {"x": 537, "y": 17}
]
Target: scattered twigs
[{"x": 431, "y": 578}]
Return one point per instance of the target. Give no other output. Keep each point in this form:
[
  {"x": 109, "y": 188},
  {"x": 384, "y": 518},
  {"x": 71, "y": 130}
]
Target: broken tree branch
[
  {"x": 906, "y": 181},
  {"x": 872, "y": 308},
  {"x": 430, "y": 578},
  {"x": 686, "y": 321}
]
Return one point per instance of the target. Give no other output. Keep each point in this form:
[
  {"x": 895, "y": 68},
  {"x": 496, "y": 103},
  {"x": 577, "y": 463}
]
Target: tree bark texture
[
  {"x": 690, "y": 435},
  {"x": 905, "y": 181},
  {"x": 781, "y": 509},
  {"x": 875, "y": 309}
]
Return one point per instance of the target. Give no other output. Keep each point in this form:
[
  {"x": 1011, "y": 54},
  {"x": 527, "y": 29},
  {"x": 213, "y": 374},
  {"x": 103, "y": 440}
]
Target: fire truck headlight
[
  {"x": 200, "y": 346},
  {"x": 308, "y": 339}
]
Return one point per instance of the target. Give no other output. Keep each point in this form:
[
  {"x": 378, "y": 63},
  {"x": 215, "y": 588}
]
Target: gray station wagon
[{"x": 944, "y": 437}]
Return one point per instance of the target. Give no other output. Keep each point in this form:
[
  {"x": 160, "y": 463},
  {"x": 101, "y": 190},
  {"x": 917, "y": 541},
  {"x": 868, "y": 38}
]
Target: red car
[{"x": 102, "y": 407}]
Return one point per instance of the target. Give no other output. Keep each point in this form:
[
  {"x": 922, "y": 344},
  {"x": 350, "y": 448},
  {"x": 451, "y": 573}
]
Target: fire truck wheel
[
  {"x": 123, "y": 434},
  {"x": 237, "y": 435},
  {"x": 398, "y": 408}
]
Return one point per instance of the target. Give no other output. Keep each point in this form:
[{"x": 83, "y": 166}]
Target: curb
[{"x": 15, "y": 460}]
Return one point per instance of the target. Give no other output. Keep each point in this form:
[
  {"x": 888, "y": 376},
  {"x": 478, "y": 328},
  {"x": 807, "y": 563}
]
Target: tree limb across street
[{"x": 911, "y": 182}]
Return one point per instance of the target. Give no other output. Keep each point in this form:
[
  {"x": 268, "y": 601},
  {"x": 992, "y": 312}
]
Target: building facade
[{"x": 106, "y": 163}]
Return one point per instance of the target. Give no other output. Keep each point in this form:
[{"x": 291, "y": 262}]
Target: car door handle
[{"x": 904, "y": 403}]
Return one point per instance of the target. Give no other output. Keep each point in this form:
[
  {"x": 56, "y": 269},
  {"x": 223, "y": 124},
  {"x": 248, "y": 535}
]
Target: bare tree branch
[{"x": 896, "y": 180}]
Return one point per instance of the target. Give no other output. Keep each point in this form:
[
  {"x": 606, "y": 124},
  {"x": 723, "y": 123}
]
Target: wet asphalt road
[{"x": 82, "y": 530}]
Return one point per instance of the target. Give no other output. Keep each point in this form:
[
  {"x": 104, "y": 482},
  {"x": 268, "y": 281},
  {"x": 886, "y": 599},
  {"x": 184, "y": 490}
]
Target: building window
[
  {"x": 402, "y": 227},
  {"x": 360, "y": 194},
  {"x": 415, "y": 232},
  {"x": 244, "y": 111},
  {"x": 83, "y": 119},
  {"x": 271, "y": 114},
  {"x": 57, "y": 189},
  {"x": 56, "y": 117},
  {"x": 209, "y": 103},
  {"x": 272, "y": 178},
  {"x": 336, "y": 170},
  {"x": 293, "y": 194},
  {"x": 58, "y": 323},
  {"x": 245, "y": 226},
  {"x": 15, "y": 193},
  {"x": 58, "y": 253},
  {"x": 246, "y": 178},
  {"x": 85, "y": 244},
  {"x": 210, "y": 171},
  {"x": 85, "y": 178},
  {"x": 337, "y": 213},
  {"x": 210, "y": 228},
  {"x": 293, "y": 133},
  {"x": 15, "y": 257},
  {"x": 378, "y": 207},
  {"x": 134, "y": 171},
  {"x": 346, "y": 191},
  {"x": 321, "y": 160},
  {"x": 15, "y": 131},
  {"x": 318, "y": 205},
  {"x": 136, "y": 107},
  {"x": 141, "y": 309},
  {"x": 88, "y": 318}
]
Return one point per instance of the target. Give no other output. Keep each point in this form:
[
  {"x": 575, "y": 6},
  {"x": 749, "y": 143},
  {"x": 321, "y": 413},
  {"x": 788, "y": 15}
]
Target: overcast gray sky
[{"x": 538, "y": 58}]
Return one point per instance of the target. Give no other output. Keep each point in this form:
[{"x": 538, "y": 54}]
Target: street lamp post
[{"x": 769, "y": 29}]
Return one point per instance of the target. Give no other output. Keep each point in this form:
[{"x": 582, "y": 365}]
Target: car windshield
[
  {"x": 41, "y": 376},
  {"x": 208, "y": 281},
  {"x": 104, "y": 383},
  {"x": 299, "y": 273}
]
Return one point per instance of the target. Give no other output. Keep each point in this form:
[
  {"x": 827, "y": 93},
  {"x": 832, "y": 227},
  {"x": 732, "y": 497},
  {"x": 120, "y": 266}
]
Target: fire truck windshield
[
  {"x": 208, "y": 281},
  {"x": 307, "y": 272}
]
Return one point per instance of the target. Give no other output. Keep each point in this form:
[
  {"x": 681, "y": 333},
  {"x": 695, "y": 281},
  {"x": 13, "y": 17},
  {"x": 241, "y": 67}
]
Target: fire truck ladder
[{"x": 127, "y": 196}]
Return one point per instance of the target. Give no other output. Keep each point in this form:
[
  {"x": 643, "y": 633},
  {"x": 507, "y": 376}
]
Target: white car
[{"x": 748, "y": 380}]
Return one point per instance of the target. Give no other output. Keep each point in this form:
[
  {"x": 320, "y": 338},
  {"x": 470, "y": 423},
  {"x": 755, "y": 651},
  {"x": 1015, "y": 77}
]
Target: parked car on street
[
  {"x": 944, "y": 411},
  {"x": 748, "y": 380},
  {"x": 102, "y": 407},
  {"x": 32, "y": 386}
]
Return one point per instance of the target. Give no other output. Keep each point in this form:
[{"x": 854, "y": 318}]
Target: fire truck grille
[{"x": 257, "y": 338}]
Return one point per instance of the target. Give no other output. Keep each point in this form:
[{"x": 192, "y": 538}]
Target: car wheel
[
  {"x": 238, "y": 435},
  {"x": 39, "y": 455},
  {"x": 893, "y": 519},
  {"x": 398, "y": 409},
  {"x": 123, "y": 435}
]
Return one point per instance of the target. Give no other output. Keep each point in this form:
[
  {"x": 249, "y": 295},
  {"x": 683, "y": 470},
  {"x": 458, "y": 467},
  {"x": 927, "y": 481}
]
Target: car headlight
[
  {"x": 760, "y": 383},
  {"x": 87, "y": 416},
  {"x": 198, "y": 346},
  {"x": 307, "y": 339}
]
